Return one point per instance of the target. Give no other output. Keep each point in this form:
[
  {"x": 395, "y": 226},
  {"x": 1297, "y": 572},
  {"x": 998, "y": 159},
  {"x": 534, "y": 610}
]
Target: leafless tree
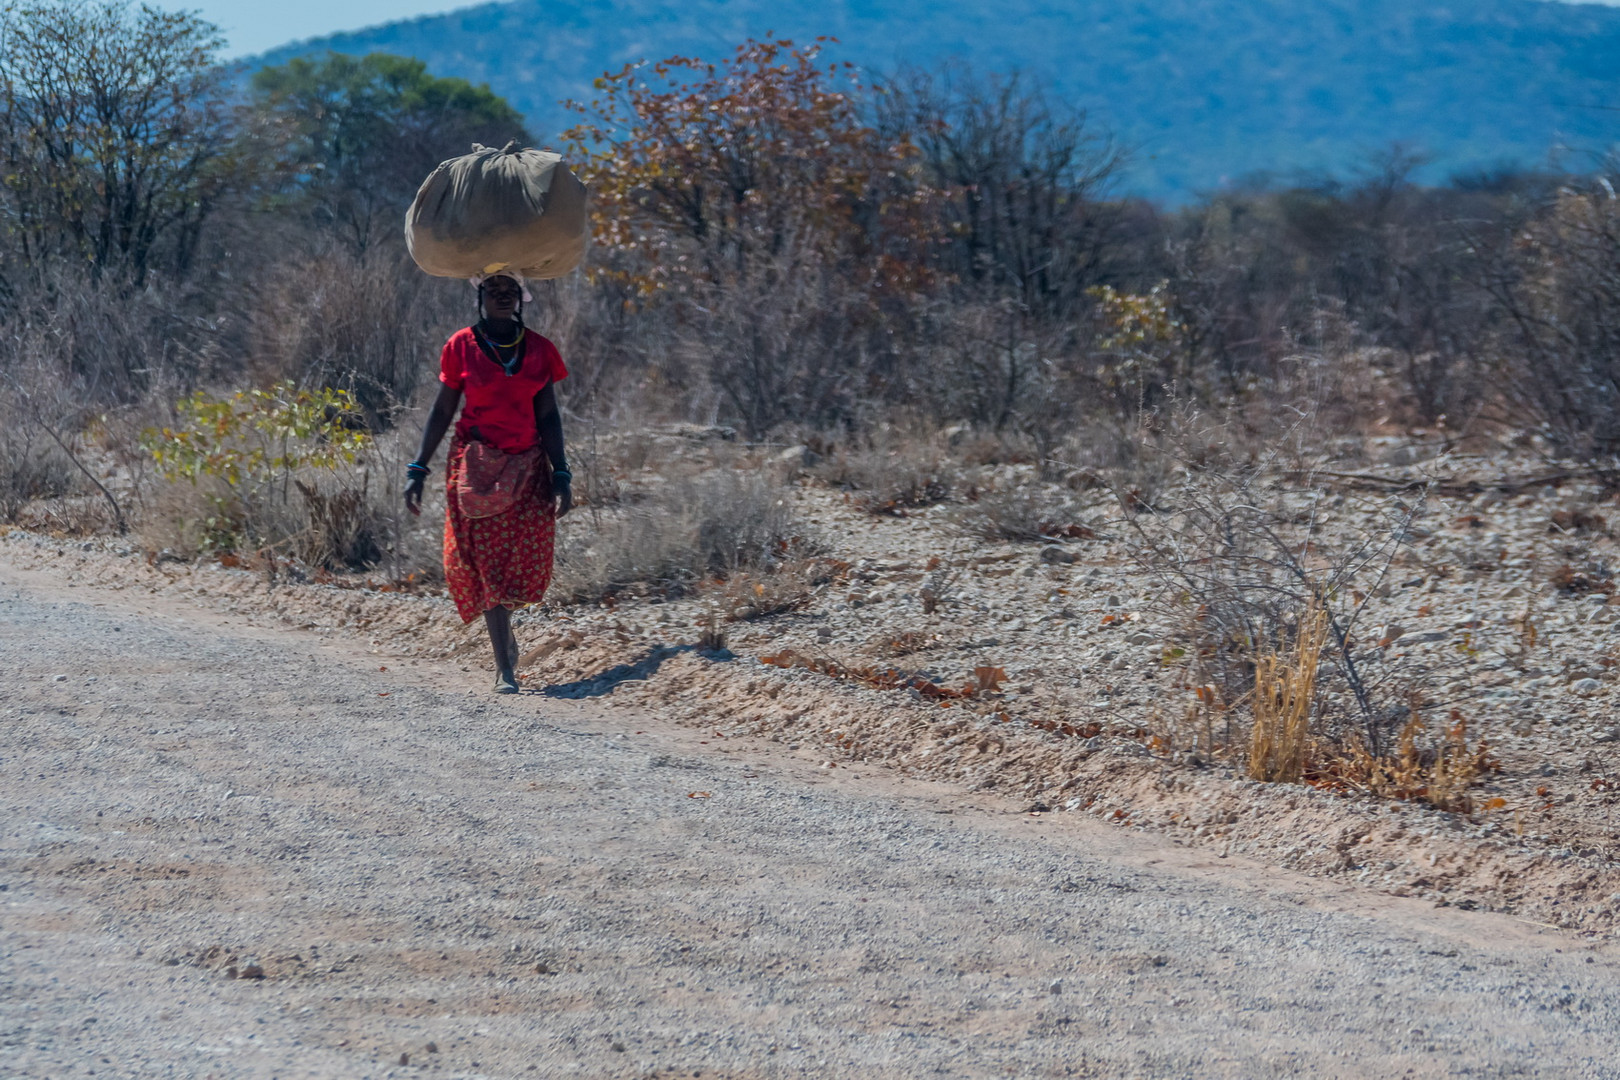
[
  {"x": 1024, "y": 180},
  {"x": 115, "y": 137}
]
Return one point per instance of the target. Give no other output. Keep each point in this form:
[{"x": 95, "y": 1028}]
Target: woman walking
[{"x": 507, "y": 476}]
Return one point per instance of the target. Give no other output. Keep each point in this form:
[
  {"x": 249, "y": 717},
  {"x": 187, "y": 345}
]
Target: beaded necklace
[
  {"x": 510, "y": 366},
  {"x": 504, "y": 344}
]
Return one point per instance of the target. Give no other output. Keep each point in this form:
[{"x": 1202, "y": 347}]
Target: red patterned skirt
[{"x": 503, "y": 560}]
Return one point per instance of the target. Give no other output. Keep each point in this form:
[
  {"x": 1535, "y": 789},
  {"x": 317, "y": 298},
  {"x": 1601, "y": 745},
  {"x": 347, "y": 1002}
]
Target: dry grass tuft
[{"x": 1280, "y": 742}]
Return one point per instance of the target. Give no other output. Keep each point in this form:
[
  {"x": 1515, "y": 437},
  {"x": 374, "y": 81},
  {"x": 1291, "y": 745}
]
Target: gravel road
[{"x": 234, "y": 851}]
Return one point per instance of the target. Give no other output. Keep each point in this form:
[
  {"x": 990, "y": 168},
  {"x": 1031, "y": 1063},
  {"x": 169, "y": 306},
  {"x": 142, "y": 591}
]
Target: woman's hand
[
  {"x": 562, "y": 491},
  {"x": 438, "y": 422},
  {"x": 548, "y": 426}
]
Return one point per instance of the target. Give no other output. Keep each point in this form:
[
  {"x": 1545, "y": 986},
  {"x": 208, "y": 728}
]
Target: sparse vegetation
[
  {"x": 671, "y": 538},
  {"x": 930, "y": 301}
]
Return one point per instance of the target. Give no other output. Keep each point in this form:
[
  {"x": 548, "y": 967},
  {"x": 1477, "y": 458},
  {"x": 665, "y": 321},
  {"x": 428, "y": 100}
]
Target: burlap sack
[{"x": 504, "y": 209}]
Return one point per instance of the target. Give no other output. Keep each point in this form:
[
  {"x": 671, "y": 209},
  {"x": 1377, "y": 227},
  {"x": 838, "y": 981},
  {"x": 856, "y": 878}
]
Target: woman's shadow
[{"x": 637, "y": 671}]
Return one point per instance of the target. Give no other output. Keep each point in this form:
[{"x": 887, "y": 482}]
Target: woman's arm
[
  {"x": 438, "y": 422},
  {"x": 548, "y": 424}
]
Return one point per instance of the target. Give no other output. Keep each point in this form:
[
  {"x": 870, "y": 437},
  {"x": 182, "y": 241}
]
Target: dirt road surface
[{"x": 232, "y": 851}]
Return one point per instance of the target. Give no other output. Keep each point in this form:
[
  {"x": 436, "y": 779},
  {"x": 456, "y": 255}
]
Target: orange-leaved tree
[{"x": 720, "y": 169}]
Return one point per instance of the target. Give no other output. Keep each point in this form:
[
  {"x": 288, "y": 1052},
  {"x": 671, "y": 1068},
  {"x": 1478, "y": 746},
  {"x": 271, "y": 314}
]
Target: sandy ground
[{"x": 240, "y": 851}]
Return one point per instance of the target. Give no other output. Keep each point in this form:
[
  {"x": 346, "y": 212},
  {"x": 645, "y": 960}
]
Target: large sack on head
[{"x": 490, "y": 210}]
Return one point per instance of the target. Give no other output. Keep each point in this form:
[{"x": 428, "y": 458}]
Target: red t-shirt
[{"x": 499, "y": 405}]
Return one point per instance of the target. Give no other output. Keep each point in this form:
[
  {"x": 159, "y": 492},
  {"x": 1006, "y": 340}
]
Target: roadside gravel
[{"x": 238, "y": 851}]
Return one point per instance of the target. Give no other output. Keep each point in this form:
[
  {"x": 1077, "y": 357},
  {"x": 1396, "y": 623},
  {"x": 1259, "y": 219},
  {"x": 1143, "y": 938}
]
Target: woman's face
[{"x": 501, "y": 297}]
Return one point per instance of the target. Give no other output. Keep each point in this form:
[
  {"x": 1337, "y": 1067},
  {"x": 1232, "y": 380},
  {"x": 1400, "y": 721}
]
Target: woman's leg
[{"x": 498, "y": 620}]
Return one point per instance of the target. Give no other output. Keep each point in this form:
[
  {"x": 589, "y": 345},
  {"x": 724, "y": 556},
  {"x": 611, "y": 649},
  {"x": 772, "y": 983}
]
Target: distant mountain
[{"x": 1207, "y": 91}]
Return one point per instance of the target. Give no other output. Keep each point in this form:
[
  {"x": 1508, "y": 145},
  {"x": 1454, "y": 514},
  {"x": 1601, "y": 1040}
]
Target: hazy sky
[
  {"x": 253, "y": 26},
  {"x": 256, "y": 25}
]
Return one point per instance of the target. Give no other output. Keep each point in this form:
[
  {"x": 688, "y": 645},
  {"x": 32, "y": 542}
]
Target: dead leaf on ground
[{"x": 989, "y": 679}]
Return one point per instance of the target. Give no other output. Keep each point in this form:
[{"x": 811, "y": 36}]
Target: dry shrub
[
  {"x": 747, "y": 596},
  {"x": 1560, "y": 288},
  {"x": 333, "y": 520},
  {"x": 32, "y": 465},
  {"x": 339, "y": 526},
  {"x": 183, "y": 521},
  {"x": 1283, "y": 748},
  {"x": 894, "y": 473},
  {"x": 1439, "y": 773},
  {"x": 103, "y": 342},
  {"x": 231, "y": 477},
  {"x": 372, "y": 327},
  {"x": 711, "y": 525},
  {"x": 1246, "y": 549},
  {"x": 1022, "y": 513},
  {"x": 1270, "y": 584},
  {"x": 76, "y": 358}
]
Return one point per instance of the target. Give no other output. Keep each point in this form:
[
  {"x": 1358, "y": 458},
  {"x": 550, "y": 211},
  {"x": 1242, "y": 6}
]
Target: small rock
[
  {"x": 60, "y": 678},
  {"x": 404, "y": 1058},
  {"x": 1585, "y": 686},
  {"x": 1056, "y": 987},
  {"x": 1142, "y": 637},
  {"x": 432, "y": 1048},
  {"x": 1607, "y": 735},
  {"x": 1112, "y": 601},
  {"x": 1057, "y": 553},
  {"x": 251, "y": 971}
]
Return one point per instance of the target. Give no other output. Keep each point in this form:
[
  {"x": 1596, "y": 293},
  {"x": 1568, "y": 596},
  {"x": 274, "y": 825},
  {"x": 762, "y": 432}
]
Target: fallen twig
[{"x": 1506, "y": 485}]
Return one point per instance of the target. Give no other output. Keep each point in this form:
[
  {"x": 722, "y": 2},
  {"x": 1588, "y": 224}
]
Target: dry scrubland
[
  {"x": 941, "y": 607},
  {"x": 1279, "y": 523}
]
